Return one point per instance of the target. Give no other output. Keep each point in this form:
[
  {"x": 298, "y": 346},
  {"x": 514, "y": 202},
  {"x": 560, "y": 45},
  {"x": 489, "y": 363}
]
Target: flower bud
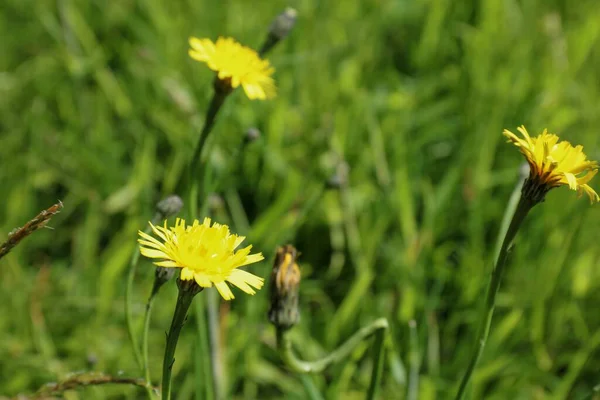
[
  {"x": 340, "y": 178},
  {"x": 279, "y": 29},
  {"x": 161, "y": 276},
  {"x": 252, "y": 135},
  {"x": 169, "y": 206},
  {"x": 285, "y": 283}
]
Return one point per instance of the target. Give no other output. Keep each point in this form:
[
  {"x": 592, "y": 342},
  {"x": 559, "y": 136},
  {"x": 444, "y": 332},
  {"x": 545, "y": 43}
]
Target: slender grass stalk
[
  {"x": 414, "y": 361},
  {"x": 162, "y": 276},
  {"x": 133, "y": 262},
  {"x": 203, "y": 349},
  {"x": 509, "y": 211},
  {"x": 284, "y": 346},
  {"x": 378, "y": 358},
  {"x": 523, "y": 207},
  {"x": 589, "y": 396},
  {"x": 312, "y": 391},
  {"x": 218, "y": 377},
  {"x": 147, "y": 316},
  {"x": 184, "y": 300},
  {"x": 135, "y": 256}
]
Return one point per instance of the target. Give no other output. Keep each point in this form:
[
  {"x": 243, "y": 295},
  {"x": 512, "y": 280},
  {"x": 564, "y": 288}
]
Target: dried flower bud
[
  {"x": 285, "y": 283},
  {"x": 162, "y": 275},
  {"x": 340, "y": 177},
  {"x": 169, "y": 206},
  {"x": 279, "y": 29},
  {"x": 283, "y": 23},
  {"x": 252, "y": 134}
]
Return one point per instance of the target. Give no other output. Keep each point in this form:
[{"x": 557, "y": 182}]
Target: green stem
[
  {"x": 211, "y": 116},
  {"x": 133, "y": 262},
  {"x": 221, "y": 91},
  {"x": 284, "y": 346},
  {"x": 595, "y": 389},
  {"x": 135, "y": 256},
  {"x": 378, "y": 357},
  {"x": 203, "y": 348},
  {"x": 184, "y": 300},
  {"x": 509, "y": 211},
  {"x": 414, "y": 357},
  {"x": 212, "y": 306},
  {"x": 312, "y": 392},
  {"x": 147, "y": 315},
  {"x": 483, "y": 329}
]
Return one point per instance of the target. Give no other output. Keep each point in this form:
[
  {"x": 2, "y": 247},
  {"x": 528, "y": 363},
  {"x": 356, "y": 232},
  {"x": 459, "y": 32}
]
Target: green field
[{"x": 101, "y": 106}]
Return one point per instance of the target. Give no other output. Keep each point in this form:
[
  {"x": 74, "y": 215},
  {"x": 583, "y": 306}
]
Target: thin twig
[
  {"x": 81, "y": 380},
  {"x": 33, "y": 225}
]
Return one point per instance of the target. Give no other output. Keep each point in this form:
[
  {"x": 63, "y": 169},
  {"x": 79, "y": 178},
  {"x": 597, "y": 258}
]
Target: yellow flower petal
[
  {"x": 186, "y": 274},
  {"x": 159, "y": 231},
  {"x": 555, "y": 163},
  {"x": 152, "y": 253},
  {"x": 224, "y": 290},
  {"x": 205, "y": 252},
  {"x": 166, "y": 264},
  {"x": 202, "y": 280},
  {"x": 252, "y": 258},
  {"x": 238, "y": 64},
  {"x": 243, "y": 280}
]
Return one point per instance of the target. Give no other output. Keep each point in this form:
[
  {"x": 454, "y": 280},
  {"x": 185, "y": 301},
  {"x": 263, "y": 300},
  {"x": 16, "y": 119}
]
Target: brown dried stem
[
  {"x": 39, "y": 221},
  {"x": 81, "y": 380}
]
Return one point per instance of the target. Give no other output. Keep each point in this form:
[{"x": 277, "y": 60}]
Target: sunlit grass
[{"x": 100, "y": 107}]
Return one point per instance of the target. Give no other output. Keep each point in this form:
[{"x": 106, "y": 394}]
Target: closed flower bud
[
  {"x": 252, "y": 134},
  {"x": 162, "y": 275},
  {"x": 279, "y": 29},
  {"x": 285, "y": 283},
  {"x": 340, "y": 178},
  {"x": 169, "y": 206},
  {"x": 283, "y": 23}
]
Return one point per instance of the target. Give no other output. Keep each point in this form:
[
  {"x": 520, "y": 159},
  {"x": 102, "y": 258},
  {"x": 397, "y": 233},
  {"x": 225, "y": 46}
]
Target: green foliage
[{"x": 100, "y": 107}]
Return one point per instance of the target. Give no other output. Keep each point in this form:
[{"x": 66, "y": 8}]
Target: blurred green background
[{"x": 100, "y": 107}]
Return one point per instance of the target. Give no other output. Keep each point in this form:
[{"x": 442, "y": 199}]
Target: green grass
[{"x": 100, "y": 107}]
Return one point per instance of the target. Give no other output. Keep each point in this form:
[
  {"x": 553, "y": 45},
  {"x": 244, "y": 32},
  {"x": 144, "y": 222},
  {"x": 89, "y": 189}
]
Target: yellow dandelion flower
[
  {"x": 236, "y": 64},
  {"x": 555, "y": 163},
  {"x": 205, "y": 254}
]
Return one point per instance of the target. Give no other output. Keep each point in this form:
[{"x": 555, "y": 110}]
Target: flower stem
[
  {"x": 184, "y": 300},
  {"x": 221, "y": 90},
  {"x": 133, "y": 262},
  {"x": 203, "y": 369},
  {"x": 142, "y": 356},
  {"x": 147, "y": 316},
  {"x": 483, "y": 330},
  {"x": 216, "y": 359},
  {"x": 378, "y": 357},
  {"x": 216, "y": 102},
  {"x": 284, "y": 347},
  {"x": 135, "y": 256},
  {"x": 414, "y": 359}
]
